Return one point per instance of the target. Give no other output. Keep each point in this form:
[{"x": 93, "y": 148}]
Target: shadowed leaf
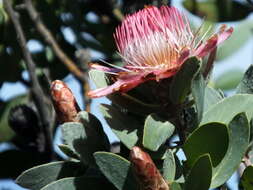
[
  {"x": 200, "y": 175},
  {"x": 126, "y": 131},
  {"x": 156, "y": 132},
  {"x": 116, "y": 169},
  {"x": 181, "y": 83},
  {"x": 40, "y": 176}
]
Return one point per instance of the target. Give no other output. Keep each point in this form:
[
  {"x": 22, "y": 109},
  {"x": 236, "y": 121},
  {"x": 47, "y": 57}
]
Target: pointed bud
[
  {"x": 64, "y": 102},
  {"x": 146, "y": 172}
]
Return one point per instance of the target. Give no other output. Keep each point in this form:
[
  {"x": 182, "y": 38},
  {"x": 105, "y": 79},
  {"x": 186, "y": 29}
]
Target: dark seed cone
[
  {"x": 24, "y": 121},
  {"x": 145, "y": 171},
  {"x": 64, "y": 102}
]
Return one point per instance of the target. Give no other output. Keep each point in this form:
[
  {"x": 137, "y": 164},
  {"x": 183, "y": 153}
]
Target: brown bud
[
  {"x": 146, "y": 172},
  {"x": 64, "y": 102}
]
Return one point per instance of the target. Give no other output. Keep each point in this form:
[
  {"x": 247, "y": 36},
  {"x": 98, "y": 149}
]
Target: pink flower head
[{"x": 154, "y": 43}]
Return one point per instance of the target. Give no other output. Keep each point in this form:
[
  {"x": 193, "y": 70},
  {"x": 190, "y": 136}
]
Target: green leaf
[
  {"x": 208, "y": 9},
  {"x": 116, "y": 169},
  {"x": 175, "y": 186},
  {"x": 99, "y": 78},
  {"x": 94, "y": 128},
  {"x": 68, "y": 151},
  {"x": 226, "y": 109},
  {"x": 119, "y": 122},
  {"x": 181, "y": 82},
  {"x": 242, "y": 33},
  {"x": 224, "y": 112},
  {"x": 229, "y": 79},
  {"x": 212, "y": 97},
  {"x": 198, "y": 93},
  {"x": 211, "y": 138},
  {"x": 86, "y": 137},
  {"x": 200, "y": 175},
  {"x": 218, "y": 11},
  {"x": 6, "y": 133},
  {"x": 169, "y": 167},
  {"x": 156, "y": 132},
  {"x": 246, "y": 180},
  {"x": 78, "y": 183},
  {"x": 39, "y": 176},
  {"x": 246, "y": 84},
  {"x": 238, "y": 130}
]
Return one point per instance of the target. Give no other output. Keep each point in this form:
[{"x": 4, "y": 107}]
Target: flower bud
[
  {"x": 64, "y": 102},
  {"x": 145, "y": 171}
]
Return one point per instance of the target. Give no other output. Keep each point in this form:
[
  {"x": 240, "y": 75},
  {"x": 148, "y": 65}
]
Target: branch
[
  {"x": 36, "y": 90},
  {"x": 83, "y": 56},
  {"x": 48, "y": 37}
]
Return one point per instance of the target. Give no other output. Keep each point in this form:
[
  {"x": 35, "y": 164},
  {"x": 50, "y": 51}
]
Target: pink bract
[{"x": 154, "y": 43}]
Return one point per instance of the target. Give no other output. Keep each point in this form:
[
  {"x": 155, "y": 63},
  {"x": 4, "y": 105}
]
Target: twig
[
  {"x": 48, "y": 37},
  {"x": 80, "y": 75},
  {"x": 87, "y": 100},
  {"x": 83, "y": 56},
  {"x": 35, "y": 86}
]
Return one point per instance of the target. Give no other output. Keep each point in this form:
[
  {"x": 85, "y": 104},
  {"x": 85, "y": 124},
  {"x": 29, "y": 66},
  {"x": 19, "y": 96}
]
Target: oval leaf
[
  {"x": 198, "y": 93},
  {"x": 211, "y": 138},
  {"x": 200, "y": 175},
  {"x": 156, "y": 132},
  {"x": 246, "y": 180},
  {"x": 39, "y": 176},
  {"x": 116, "y": 169},
  {"x": 181, "y": 82},
  {"x": 68, "y": 151},
  {"x": 98, "y": 77},
  {"x": 246, "y": 85},
  {"x": 119, "y": 122},
  {"x": 212, "y": 97},
  {"x": 238, "y": 144},
  {"x": 242, "y": 33},
  {"x": 169, "y": 167},
  {"x": 226, "y": 109},
  {"x": 86, "y": 137},
  {"x": 229, "y": 79},
  {"x": 175, "y": 186}
]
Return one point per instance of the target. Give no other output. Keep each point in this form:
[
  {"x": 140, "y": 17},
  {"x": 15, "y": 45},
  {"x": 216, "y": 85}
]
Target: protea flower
[{"x": 154, "y": 43}]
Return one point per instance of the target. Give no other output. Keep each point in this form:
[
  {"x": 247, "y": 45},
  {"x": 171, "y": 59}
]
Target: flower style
[{"x": 154, "y": 43}]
